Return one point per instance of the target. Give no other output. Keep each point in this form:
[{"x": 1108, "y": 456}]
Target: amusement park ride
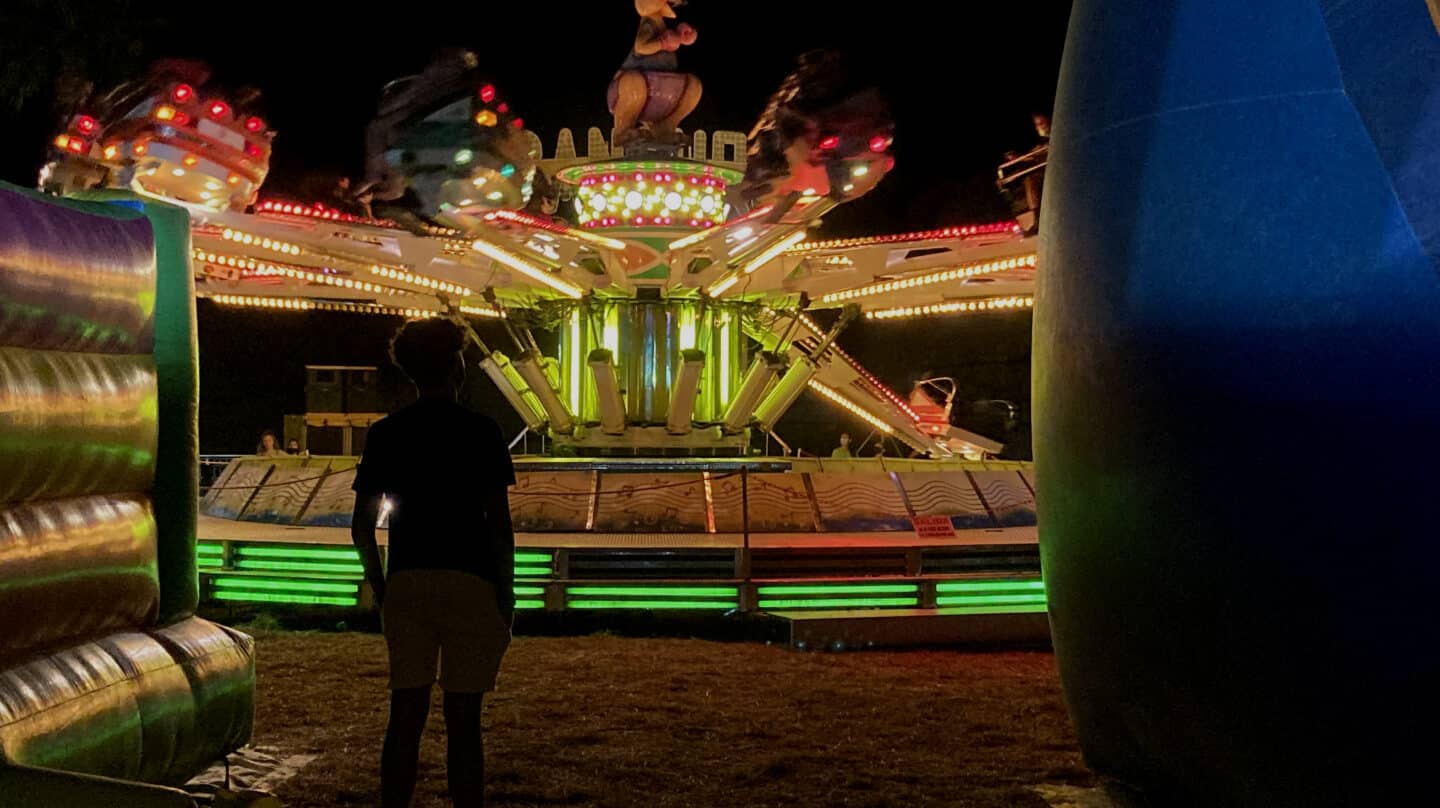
[{"x": 684, "y": 292}]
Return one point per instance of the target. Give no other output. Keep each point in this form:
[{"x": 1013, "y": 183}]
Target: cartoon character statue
[
  {"x": 649, "y": 89},
  {"x": 826, "y": 131}
]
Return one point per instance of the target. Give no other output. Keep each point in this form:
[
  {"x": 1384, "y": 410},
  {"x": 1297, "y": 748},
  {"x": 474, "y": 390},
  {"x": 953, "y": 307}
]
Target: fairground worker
[{"x": 448, "y": 598}]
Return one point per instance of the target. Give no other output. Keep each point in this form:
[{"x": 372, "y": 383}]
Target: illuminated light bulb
[
  {"x": 487, "y": 93},
  {"x": 464, "y": 156},
  {"x": 182, "y": 93},
  {"x": 219, "y": 109},
  {"x": 486, "y": 118},
  {"x": 179, "y": 172},
  {"x": 633, "y": 200},
  {"x": 165, "y": 112},
  {"x": 830, "y": 142},
  {"x": 254, "y": 124},
  {"x": 518, "y": 123},
  {"x": 507, "y": 170},
  {"x": 494, "y": 196},
  {"x": 190, "y": 160},
  {"x": 879, "y": 143},
  {"x": 467, "y": 202}
]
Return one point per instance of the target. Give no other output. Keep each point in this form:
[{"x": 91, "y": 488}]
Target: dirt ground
[{"x": 620, "y": 721}]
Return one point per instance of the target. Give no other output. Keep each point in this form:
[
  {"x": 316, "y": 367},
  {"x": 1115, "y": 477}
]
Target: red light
[
  {"x": 180, "y": 119},
  {"x": 254, "y": 124},
  {"x": 76, "y": 145},
  {"x": 879, "y": 143},
  {"x": 253, "y": 151},
  {"x": 182, "y": 93},
  {"x": 832, "y": 141},
  {"x": 502, "y": 108},
  {"x": 487, "y": 93},
  {"x": 518, "y": 123},
  {"x": 219, "y": 109},
  {"x": 86, "y": 124}
]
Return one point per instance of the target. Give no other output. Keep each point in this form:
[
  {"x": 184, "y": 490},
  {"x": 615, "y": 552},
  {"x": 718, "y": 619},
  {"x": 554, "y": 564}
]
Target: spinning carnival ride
[{"x": 683, "y": 294}]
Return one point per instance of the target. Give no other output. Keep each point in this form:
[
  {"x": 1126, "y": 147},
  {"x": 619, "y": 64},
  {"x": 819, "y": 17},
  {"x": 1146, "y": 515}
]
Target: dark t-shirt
[{"x": 436, "y": 461}]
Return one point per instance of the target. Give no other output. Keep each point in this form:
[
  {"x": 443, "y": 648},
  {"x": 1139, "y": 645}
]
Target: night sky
[{"x": 963, "y": 80}]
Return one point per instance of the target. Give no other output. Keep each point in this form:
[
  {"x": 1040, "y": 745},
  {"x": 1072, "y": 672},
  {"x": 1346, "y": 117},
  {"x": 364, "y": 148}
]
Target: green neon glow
[
  {"x": 1024, "y": 608},
  {"x": 687, "y": 327},
  {"x": 989, "y": 600},
  {"x": 529, "y": 604},
  {"x": 529, "y": 590},
  {"x": 270, "y": 597},
  {"x": 299, "y": 566},
  {"x": 990, "y": 586},
  {"x": 575, "y": 356},
  {"x": 724, "y": 367},
  {"x": 655, "y": 591},
  {"x": 532, "y": 572},
  {"x": 288, "y": 586},
  {"x": 837, "y": 603},
  {"x": 251, "y": 551},
  {"x": 209, "y": 548},
  {"x": 533, "y": 558},
  {"x": 209, "y": 563},
  {"x": 651, "y": 604},
  {"x": 828, "y": 589}
]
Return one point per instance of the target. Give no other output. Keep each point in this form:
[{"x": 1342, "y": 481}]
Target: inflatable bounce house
[
  {"x": 110, "y": 688},
  {"x": 1237, "y": 373}
]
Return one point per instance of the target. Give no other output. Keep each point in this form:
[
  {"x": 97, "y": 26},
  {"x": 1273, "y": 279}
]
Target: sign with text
[{"x": 933, "y": 527}]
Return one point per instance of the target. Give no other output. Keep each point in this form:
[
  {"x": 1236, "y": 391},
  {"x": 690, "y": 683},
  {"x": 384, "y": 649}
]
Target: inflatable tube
[
  {"x": 74, "y": 424},
  {"x": 177, "y": 467},
  {"x": 72, "y": 281},
  {"x": 74, "y": 568},
  {"x": 220, "y": 665},
  {"x": 1237, "y": 336}
]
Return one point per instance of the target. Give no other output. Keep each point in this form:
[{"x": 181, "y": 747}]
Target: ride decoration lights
[
  {"x": 890, "y": 395},
  {"x": 650, "y": 194},
  {"x": 536, "y": 222},
  {"x": 255, "y": 301},
  {"x": 420, "y": 280},
  {"x": 1010, "y": 228},
  {"x": 966, "y": 271},
  {"x": 265, "y": 243},
  {"x": 536, "y": 273},
  {"x": 265, "y": 268},
  {"x": 855, "y": 409},
  {"x": 955, "y": 307},
  {"x": 320, "y": 212}
]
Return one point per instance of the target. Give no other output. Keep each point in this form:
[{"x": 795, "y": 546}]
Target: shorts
[{"x": 446, "y": 620}]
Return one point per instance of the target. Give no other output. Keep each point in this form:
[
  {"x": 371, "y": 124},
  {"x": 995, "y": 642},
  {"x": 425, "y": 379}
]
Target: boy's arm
[
  {"x": 502, "y": 537},
  {"x": 362, "y": 533}
]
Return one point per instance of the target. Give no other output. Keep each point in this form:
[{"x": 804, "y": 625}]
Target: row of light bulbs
[
  {"x": 988, "y": 304},
  {"x": 420, "y": 280},
  {"x": 266, "y": 243},
  {"x": 860, "y": 412},
  {"x": 286, "y": 271},
  {"x": 967, "y": 271},
  {"x": 291, "y": 304}
]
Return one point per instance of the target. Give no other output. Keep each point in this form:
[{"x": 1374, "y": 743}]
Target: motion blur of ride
[{"x": 169, "y": 134}]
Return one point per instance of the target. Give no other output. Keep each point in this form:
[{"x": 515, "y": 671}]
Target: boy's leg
[
  {"x": 465, "y": 755},
  {"x": 409, "y": 709}
]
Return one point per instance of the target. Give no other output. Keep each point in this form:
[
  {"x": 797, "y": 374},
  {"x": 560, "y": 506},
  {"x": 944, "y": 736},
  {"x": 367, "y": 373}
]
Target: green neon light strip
[
  {"x": 990, "y": 586},
  {"x": 1017, "y": 609},
  {"x": 533, "y": 558},
  {"x": 209, "y": 548},
  {"x": 529, "y": 590},
  {"x": 270, "y": 597},
  {"x": 532, "y": 572},
  {"x": 529, "y": 604},
  {"x": 654, "y": 591},
  {"x": 292, "y": 566},
  {"x": 983, "y": 600},
  {"x": 209, "y": 563},
  {"x": 289, "y": 586},
  {"x": 651, "y": 604},
  {"x": 298, "y": 552},
  {"x": 850, "y": 589},
  {"x": 838, "y": 603}
]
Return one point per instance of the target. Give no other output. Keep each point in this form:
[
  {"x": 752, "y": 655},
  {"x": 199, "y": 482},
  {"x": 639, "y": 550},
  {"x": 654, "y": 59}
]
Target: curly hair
[{"x": 427, "y": 350}]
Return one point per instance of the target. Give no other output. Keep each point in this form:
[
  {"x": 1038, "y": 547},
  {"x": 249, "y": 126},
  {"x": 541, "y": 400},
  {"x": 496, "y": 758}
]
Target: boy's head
[{"x": 430, "y": 353}]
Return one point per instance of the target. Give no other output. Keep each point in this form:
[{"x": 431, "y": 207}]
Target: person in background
[
  {"x": 292, "y": 446},
  {"x": 448, "y": 597},
  {"x": 843, "y": 450},
  {"x": 269, "y": 445}
]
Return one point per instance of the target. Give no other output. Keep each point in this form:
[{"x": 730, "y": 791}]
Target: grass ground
[{"x": 615, "y": 721}]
